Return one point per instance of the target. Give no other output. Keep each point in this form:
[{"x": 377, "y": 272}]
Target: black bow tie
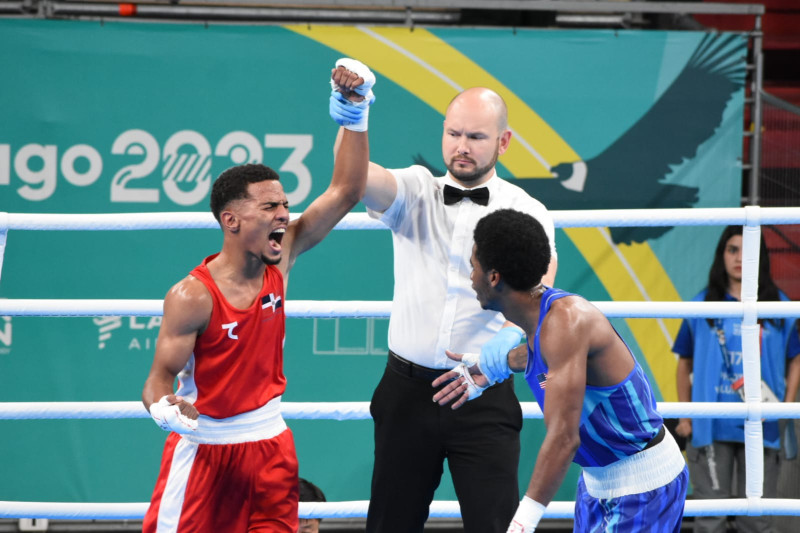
[{"x": 453, "y": 195}]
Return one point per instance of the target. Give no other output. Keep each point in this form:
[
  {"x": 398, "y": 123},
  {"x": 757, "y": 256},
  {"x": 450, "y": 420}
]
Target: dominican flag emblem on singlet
[
  {"x": 270, "y": 300},
  {"x": 542, "y": 378}
]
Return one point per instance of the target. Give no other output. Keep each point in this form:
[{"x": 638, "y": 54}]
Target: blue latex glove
[
  {"x": 494, "y": 354},
  {"x": 352, "y": 115}
]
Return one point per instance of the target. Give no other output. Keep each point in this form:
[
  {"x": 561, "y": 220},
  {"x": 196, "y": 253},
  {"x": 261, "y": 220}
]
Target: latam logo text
[{"x": 136, "y": 333}]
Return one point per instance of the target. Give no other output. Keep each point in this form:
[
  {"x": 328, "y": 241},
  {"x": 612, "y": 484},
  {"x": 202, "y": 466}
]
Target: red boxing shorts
[{"x": 208, "y": 488}]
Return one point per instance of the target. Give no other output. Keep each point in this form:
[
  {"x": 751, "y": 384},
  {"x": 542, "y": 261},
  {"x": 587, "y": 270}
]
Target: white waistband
[
  {"x": 262, "y": 423},
  {"x": 640, "y": 472}
]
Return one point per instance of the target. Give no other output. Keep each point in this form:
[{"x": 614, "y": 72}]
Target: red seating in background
[
  {"x": 780, "y": 147},
  {"x": 781, "y": 242},
  {"x": 780, "y": 23}
]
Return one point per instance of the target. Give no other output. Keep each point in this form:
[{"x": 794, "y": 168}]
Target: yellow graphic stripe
[
  {"x": 385, "y": 59},
  {"x": 656, "y": 341},
  {"x": 434, "y": 72},
  {"x": 524, "y": 121},
  {"x": 634, "y": 273}
]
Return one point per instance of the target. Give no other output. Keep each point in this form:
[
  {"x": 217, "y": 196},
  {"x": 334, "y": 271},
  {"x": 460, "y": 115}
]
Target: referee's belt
[{"x": 413, "y": 370}]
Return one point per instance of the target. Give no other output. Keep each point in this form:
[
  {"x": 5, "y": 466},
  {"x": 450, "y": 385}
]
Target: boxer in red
[{"x": 229, "y": 463}]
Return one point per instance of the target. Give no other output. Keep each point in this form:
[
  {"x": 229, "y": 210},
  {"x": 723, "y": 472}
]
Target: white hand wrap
[
  {"x": 527, "y": 516},
  {"x": 362, "y": 71},
  {"x": 353, "y": 116},
  {"x": 169, "y": 417},
  {"x": 471, "y": 359},
  {"x": 473, "y": 388}
]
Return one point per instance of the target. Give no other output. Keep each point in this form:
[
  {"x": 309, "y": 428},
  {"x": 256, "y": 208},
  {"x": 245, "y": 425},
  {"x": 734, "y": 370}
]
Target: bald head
[
  {"x": 475, "y": 134},
  {"x": 481, "y": 100}
]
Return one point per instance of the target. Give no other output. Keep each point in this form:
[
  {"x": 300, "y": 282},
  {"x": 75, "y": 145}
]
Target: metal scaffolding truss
[{"x": 378, "y": 11}]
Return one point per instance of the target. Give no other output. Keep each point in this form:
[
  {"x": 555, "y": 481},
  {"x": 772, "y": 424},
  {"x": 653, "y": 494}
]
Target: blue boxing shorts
[{"x": 643, "y": 492}]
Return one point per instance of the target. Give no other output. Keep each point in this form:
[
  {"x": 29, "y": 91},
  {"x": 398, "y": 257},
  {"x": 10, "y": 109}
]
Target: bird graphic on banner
[{"x": 630, "y": 172}]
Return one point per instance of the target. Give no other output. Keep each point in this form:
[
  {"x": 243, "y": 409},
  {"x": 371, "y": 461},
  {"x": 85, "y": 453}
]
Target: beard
[
  {"x": 468, "y": 176},
  {"x": 270, "y": 262},
  {"x": 487, "y": 305}
]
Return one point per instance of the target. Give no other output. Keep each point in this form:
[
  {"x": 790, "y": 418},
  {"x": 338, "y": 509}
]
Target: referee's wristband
[{"x": 527, "y": 516}]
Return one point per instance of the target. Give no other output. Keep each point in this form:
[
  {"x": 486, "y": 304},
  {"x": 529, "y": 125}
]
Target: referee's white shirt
[{"x": 434, "y": 307}]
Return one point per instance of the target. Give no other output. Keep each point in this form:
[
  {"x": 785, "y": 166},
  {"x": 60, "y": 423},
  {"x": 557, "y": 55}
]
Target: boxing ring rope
[
  {"x": 359, "y": 410},
  {"x": 382, "y": 309},
  {"x": 749, "y": 309},
  {"x": 358, "y": 509},
  {"x": 701, "y": 216}
]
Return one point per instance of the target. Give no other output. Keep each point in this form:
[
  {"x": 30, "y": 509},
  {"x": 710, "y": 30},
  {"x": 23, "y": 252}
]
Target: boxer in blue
[{"x": 598, "y": 405}]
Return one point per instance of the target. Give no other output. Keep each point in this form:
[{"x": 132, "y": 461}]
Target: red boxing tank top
[{"x": 238, "y": 360}]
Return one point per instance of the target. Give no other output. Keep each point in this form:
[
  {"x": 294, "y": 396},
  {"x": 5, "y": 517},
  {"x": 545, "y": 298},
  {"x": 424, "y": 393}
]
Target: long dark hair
[{"x": 718, "y": 276}]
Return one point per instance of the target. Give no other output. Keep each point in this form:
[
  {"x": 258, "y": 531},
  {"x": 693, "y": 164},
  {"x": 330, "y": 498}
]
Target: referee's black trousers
[{"x": 413, "y": 437}]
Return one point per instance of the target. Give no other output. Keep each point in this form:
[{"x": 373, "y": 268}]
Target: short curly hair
[
  {"x": 310, "y": 492},
  {"x": 515, "y": 245},
  {"x": 232, "y": 184}
]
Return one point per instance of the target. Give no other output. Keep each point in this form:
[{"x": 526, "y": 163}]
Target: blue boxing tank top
[{"x": 616, "y": 421}]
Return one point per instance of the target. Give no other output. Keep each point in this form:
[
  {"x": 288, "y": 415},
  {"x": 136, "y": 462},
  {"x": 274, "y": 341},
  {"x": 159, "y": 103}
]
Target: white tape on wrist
[
  {"x": 527, "y": 516},
  {"x": 362, "y": 123},
  {"x": 353, "y": 116},
  {"x": 473, "y": 388},
  {"x": 169, "y": 417}
]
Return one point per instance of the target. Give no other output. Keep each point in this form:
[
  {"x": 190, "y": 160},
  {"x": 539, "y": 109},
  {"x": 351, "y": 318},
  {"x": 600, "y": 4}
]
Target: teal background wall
[{"x": 120, "y": 117}]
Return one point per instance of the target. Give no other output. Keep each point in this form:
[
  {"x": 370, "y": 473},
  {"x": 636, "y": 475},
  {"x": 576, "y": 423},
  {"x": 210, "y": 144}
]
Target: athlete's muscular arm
[
  {"x": 566, "y": 356},
  {"x": 518, "y": 358},
  {"x": 381, "y": 187},
  {"x": 187, "y": 310},
  {"x": 344, "y": 192}
]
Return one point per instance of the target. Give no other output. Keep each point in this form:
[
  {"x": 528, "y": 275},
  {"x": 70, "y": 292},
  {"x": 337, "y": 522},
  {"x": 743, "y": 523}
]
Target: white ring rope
[
  {"x": 752, "y": 411},
  {"x": 382, "y": 309},
  {"x": 360, "y": 410},
  {"x": 144, "y": 221},
  {"x": 88, "y": 307},
  {"x": 358, "y": 508},
  {"x": 708, "y": 216}
]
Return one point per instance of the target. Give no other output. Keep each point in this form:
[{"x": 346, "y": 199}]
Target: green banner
[{"x": 141, "y": 117}]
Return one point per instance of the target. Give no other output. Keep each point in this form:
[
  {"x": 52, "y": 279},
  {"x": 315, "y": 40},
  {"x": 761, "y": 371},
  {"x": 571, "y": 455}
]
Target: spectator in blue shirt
[{"x": 710, "y": 370}]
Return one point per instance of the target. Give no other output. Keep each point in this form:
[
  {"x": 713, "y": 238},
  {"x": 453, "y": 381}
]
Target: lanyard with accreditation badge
[
  {"x": 789, "y": 437},
  {"x": 738, "y": 384}
]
